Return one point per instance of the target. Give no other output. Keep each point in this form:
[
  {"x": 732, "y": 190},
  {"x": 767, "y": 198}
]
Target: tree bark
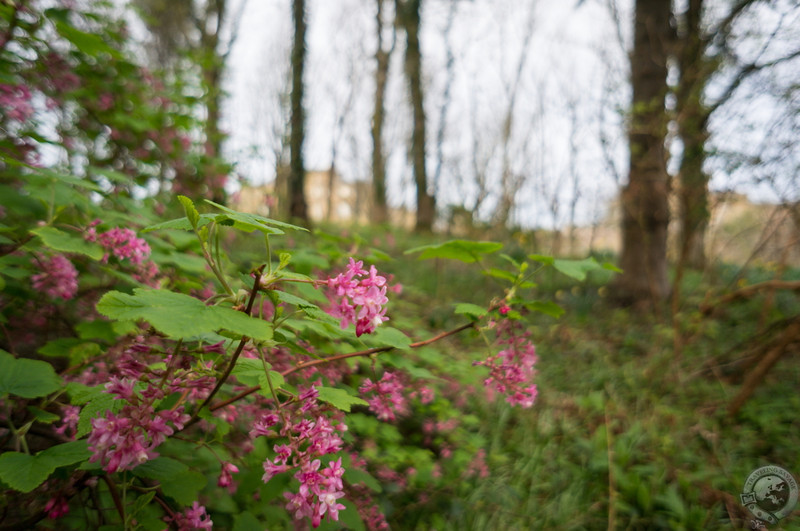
[
  {"x": 297, "y": 200},
  {"x": 692, "y": 119},
  {"x": 408, "y": 14},
  {"x": 380, "y": 211},
  {"x": 645, "y": 208}
]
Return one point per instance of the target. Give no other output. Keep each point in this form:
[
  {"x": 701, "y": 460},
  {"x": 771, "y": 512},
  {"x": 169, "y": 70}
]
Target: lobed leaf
[
  {"x": 180, "y": 316},
  {"x": 66, "y": 243},
  {"x": 339, "y": 398},
  {"x": 27, "y": 378},
  {"x": 25, "y": 472},
  {"x": 266, "y": 225},
  {"x": 463, "y": 250},
  {"x": 471, "y": 310}
]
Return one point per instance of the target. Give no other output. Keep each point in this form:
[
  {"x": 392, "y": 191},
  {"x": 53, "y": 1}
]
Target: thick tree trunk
[
  {"x": 297, "y": 200},
  {"x": 380, "y": 211},
  {"x": 645, "y": 208},
  {"x": 691, "y": 119},
  {"x": 408, "y": 13}
]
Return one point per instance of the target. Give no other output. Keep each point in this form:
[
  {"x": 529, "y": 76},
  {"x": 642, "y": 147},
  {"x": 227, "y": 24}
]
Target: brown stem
[
  {"x": 756, "y": 376},
  {"x": 749, "y": 291},
  {"x": 236, "y": 354},
  {"x": 331, "y": 359},
  {"x": 112, "y": 489}
]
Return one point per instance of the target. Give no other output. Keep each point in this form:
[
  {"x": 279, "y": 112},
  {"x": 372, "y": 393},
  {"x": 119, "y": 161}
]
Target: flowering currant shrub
[
  {"x": 157, "y": 374},
  {"x": 274, "y": 395}
]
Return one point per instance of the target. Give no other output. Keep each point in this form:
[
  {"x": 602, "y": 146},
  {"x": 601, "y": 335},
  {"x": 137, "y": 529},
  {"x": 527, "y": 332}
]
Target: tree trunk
[
  {"x": 645, "y": 208},
  {"x": 692, "y": 119},
  {"x": 297, "y": 200},
  {"x": 380, "y": 210},
  {"x": 408, "y": 14}
]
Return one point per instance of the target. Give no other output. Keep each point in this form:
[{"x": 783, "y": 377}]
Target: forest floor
[{"x": 632, "y": 428}]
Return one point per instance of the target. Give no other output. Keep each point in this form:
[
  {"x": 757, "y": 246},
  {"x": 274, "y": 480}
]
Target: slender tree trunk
[
  {"x": 408, "y": 13},
  {"x": 645, "y": 208},
  {"x": 692, "y": 119},
  {"x": 297, "y": 200},
  {"x": 380, "y": 210}
]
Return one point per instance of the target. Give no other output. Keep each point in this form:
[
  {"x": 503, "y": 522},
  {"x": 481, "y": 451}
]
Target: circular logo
[{"x": 770, "y": 493}]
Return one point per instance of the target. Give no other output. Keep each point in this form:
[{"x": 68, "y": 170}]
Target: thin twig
[
  {"x": 236, "y": 354},
  {"x": 338, "y": 357},
  {"x": 749, "y": 291}
]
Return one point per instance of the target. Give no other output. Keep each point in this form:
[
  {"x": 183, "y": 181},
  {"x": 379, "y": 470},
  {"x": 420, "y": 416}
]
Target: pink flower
[
  {"x": 329, "y": 503},
  {"x": 388, "y": 396},
  {"x": 511, "y": 371},
  {"x": 59, "y": 278},
  {"x": 226, "y": 474},
  {"x": 358, "y": 300},
  {"x": 193, "y": 517},
  {"x": 15, "y": 101},
  {"x": 56, "y": 507},
  {"x": 123, "y": 244}
]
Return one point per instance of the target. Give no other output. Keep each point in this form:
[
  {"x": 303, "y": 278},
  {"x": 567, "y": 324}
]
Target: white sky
[{"x": 567, "y": 134}]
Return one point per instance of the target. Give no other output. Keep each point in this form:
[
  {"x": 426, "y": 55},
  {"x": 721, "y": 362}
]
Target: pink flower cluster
[
  {"x": 125, "y": 440},
  {"x": 56, "y": 507},
  {"x": 511, "y": 370},
  {"x": 358, "y": 296},
  {"x": 58, "y": 279},
  {"x": 307, "y": 441},
  {"x": 226, "y": 475},
  {"x": 15, "y": 100},
  {"x": 388, "y": 396},
  {"x": 122, "y": 243},
  {"x": 194, "y": 517}
]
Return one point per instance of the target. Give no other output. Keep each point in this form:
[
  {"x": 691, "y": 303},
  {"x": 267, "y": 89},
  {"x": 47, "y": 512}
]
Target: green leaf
[
  {"x": 339, "y": 398},
  {"x": 354, "y": 476},
  {"x": 177, "y": 480},
  {"x": 27, "y": 378},
  {"x": 96, "y": 407},
  {"x": 98, "y": 329},
  {"x": 501, "y": 273},
  {"x": 258, "y": 222},
  {"x": 245, "y": 521},
  {"x": 25, "y": 472},
  {"x": 180, "y": 223},
  {"x": 77, "y": 350},
  {"x": 472, "y": 310},
  {"x": 191, "y": 212},
  {"x": 544, "y": 259},
  {"x": 184, "y": 488},
  {"x": 577, "y": 269},
  {"x": 348, "y": 517},
  {"x": 250, "y": 372},
  {"x": 546, "y": 307},
  {"x": 180, "y": 316},
  {"x": 43, "y": 416},
  {"x": 160, "y": 469},
  {"x": 67, "y": 243},
  {"x": 275, "y": 378},
  {"x": 65, "y": 454},
  {"x": 88, "y": 43},
  {"x": 294, "y": 300},
  {"x": 391, "y": 337},
  {"x": 611, "y": 267},
  {"x": 463, "y": 250}
]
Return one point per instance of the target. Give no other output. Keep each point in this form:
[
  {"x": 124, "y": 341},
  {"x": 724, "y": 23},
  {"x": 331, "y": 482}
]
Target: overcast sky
[{"x": 567, "y": 132}]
